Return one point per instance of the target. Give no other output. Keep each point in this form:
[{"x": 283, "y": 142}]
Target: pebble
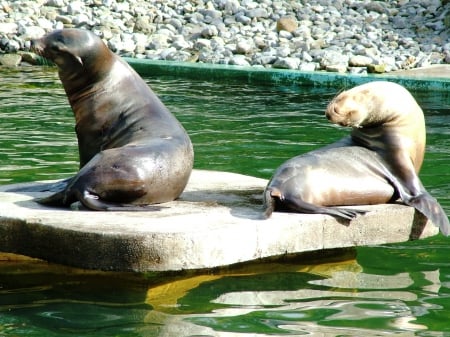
[
  {"x": 10, "y": 60},
  {"x": 354, "y": 36}
]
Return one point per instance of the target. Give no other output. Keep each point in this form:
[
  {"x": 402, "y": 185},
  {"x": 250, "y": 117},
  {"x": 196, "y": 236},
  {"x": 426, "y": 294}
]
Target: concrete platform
[
  {"x": 434, "y": 71},
  {"x": 214, "y": 223}
]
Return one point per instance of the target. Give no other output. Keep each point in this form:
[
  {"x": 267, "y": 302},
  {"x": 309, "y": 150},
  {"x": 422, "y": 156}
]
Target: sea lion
[
  {"x": 377, "y": 163},
  {"x": 132, "y": 150}
]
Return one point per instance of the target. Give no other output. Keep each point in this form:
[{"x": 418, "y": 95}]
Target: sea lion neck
[{"x": 81, "y": 77}]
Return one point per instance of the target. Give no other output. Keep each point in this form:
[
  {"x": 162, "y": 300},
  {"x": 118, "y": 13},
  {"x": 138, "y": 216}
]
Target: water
[{"x": 398, "y": 289}]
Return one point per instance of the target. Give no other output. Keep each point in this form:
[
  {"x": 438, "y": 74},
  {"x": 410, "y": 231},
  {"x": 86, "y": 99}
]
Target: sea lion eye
[{"x": 54, "y": 47}]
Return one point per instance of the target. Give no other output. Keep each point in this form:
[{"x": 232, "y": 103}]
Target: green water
[{"x": 398, "y": 289}]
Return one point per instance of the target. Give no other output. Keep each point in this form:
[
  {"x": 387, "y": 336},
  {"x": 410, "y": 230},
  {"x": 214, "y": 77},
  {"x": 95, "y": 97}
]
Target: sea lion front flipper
[
  {"x": 430, "y": 207},
  {"x": 414, "y": 194}
]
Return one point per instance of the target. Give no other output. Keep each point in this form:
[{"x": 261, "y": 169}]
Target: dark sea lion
[
  {"x": 378, "y": 163},
  {"x": 133, "y": 151}
]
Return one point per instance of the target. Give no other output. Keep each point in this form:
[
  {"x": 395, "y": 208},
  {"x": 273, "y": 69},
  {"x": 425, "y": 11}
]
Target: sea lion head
[
  {"x": 73, "y": 50},
  {"x": 374, "y": 104},
  {"x": 350, "y": 108},
  {"x": 386, "y": 118},
  {"x": 81, "y": 56}
]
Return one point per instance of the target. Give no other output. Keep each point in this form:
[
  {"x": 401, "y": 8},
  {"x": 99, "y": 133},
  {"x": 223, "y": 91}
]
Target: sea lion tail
[
  {"x": 269, "y": 204},
  {"x": 430, "y": 207}
]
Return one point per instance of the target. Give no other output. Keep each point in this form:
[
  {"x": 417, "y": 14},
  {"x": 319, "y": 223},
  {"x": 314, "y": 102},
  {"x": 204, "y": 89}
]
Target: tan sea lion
[
  {"x": 377, "y": 163},
  {"x": 133, "y": 151}
]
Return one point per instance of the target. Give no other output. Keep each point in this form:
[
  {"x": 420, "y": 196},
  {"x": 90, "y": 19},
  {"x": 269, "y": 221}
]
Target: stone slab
[
  {"x": 429, "y": 72},
  {"x": 216, "y": 222}
]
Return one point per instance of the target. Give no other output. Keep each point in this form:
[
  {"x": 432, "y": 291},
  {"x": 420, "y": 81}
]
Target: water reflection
[
  {"x": 276, "y": 299},
  {"x": 339, "y": 306}
]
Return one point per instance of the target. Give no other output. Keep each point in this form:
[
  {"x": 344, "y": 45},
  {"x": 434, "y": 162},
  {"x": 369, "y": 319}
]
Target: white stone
[
  {"x": 31, "y": 32},
  {"x": 8, "y": 27},
  {"x": 308, "y": 66},
  {"x": 244, "y": 46},
  {"x": 360, "y": 61},
  {"x": 287, "y": 63},
  {"x": 75, "y": 7},
  {"x": 239, "y": 60}
]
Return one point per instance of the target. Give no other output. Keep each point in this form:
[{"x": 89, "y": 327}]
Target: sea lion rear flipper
[
  {"x": 93, "y": 202},
  {"x": 272, "y": 195},
  {"x": 337, "y": 212}
]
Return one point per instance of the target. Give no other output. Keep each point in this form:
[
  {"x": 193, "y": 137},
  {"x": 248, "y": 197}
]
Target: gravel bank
[{"x": 333, "y": 35}]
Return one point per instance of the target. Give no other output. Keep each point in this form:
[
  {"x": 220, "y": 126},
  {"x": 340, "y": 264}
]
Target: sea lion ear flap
[
  {"x": 64, "y": 49},
  {"x": 79, "y": 60}
]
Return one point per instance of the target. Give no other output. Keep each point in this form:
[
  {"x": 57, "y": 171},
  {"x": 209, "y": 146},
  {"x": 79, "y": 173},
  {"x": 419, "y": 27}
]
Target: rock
[
  {"x": 334, "y": 59},
  {"x": 75, "y": 7},
  {"x": 376, "y": 68},
  {"x": 45, "y": 24},
  {"x": 336, "y": 68},
  {"x": 8, "y": 28},
  {"x": 285, "y": 35},
  {"x": 244, "y": 46},
  {"x": 10, "y": 60},
  {"x": 81, "y": 19},
  {"x": 283, "y": 51},
  {"x": 211, "y": 13},
  {"x": 141, "y": 42},
  {"x": 180, "y": 43},
  {"x": 143, "y": 25},
  {"x": 65, "y": 19},
  {"x": 231, "y": 7},
  {"x": 31, "y": 58},
  {"x": 243, "y": 19},
  {"x": 360, "y": 61},
  {"x": 309, "y": 66},
  {"x": 239, "y": 60},
  {"x": 287, "y": 63},
  {"x": 447, "y": 56},
  {"x": 31, "y": 32},
  {"x": 210, "y": 31},
  {"x": 287, "y": 23},
  {"x": 202, "y": 43},
  {"x": 399, "y": 35},
  {"x": 12, "y": 46},
  {"x": 56, "y": 3},
  {"x": 375, "y": 6},
  {"x": 167, "y": 54},
  {"x": 257, "y": 13}
]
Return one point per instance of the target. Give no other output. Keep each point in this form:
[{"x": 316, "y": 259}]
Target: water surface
[{"x": 395, "y": 289}]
